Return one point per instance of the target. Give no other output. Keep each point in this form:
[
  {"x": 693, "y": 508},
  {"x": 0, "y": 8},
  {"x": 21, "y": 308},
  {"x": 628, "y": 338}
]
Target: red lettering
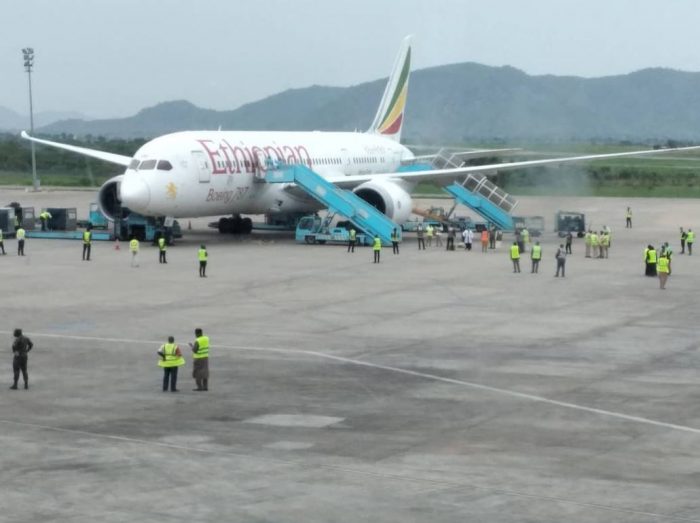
[
  {"x": 238, "y": 157},
  {"x": 214, "y": 157},
  {"x": 291, "y": 156},
  {"x": 299, "y": 149}
]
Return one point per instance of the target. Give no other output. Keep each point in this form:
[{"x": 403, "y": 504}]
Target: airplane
[{"x": 213, "y": 173}]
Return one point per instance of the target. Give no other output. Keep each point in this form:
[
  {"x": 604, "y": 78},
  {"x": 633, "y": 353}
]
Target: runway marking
[
  {"x": 439, "y": 484},
  {"x": 408, "y": 372}
]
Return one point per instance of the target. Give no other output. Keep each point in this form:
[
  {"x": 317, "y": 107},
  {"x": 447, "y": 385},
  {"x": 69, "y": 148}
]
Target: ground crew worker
[
  {"x": 689, "y": 240},
  {"x": 20, "y": 234},
  {"x": 628, "y": 217},
  {"x": 429, "y": 233},
  {"x": 421, "y": 240},
  {"x": 595, "y": 243},
  {"x": 377, "y": 248},
  {"x": 45, "y": 216},
  {"x": 668, "y": 252},
  {"x": 468, "y": 237},
  {"x": 561, "y": 261},
  {"x": 395, "y": 241},
  {"x": 650, "y": 260},
  {"x": 170, "y": 359},
  {"x": 87, "y": 243},
  {"x": 536, "y": 256},
  {"x": 587, "y": 241},
  {"x": 487, "y": 238},
  {"x": 684, "y": 237},
  {"x": 515, "y": 256},
  {"x": 525, "y": 235},
  {"x": 664, "y": 270},
  {"x": 20, "y": 350},
  {"x": 352, "y": 240},
  {"x": 2, "y": 244},
  {"x": 203, "y": 257},
  {"x": 200, "y": 355},
  {"x": 134, "y": 248},
  {"x": 162, "y": 249}
]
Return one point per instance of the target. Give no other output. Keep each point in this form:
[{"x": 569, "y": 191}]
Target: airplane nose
[{"x": 135, "y": 193}]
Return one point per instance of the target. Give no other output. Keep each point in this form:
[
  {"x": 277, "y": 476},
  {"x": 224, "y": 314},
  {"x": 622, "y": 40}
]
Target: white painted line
[
  {"x": 408, "y": 372},
  {"x": 439, "y": 484}
]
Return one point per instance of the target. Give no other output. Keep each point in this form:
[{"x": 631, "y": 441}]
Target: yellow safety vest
[
  {"x": 536, "y": 252},
  {"x": 353, "y": 234},
  {"x": 594, "y": 240},
  {"x": 87, "y": 236},
  {"x": 0, "y": 235},
  {"x": 651, "y": 256},
  {"x": 691, "y": 237},
  {"x": 587, "y": 239},
  {"x": 134, "y": 245},
  {"x": 20, "y": 234},
  {"x": 202, "y": 348},
  {"x": 629, "y": 214},
  {"x": 161, "y": 243},
  {"x": 394, "y": 237},
  {"x": 514, "y": 252},
  {"x": 377, "y": 244},
  {"x": 663, "y": 264},
  {"x": 525, "y": 235},
  {"x": 202, "y": 255},
  {"x": 170, "y": 358},
  {"x": 429, "y": 230}
]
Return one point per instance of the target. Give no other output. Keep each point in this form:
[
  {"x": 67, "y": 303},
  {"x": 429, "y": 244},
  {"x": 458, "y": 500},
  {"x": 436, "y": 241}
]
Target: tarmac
[{"x": 435, "y": 386}]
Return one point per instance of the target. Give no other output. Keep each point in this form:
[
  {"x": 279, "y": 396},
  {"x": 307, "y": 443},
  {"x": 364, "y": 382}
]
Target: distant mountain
[
  {"x": 12, "y": 121},
  {"x": 454, "y": 103}
]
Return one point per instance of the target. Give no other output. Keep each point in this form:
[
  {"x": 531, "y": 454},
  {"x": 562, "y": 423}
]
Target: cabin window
[
  {"x": 164, "y": 165},
  {"x": 147, "y": 165}
]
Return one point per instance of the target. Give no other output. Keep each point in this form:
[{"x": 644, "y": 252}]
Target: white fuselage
[{"x": 209, "y": 173}]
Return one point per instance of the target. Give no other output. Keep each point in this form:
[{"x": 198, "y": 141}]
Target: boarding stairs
[
  {"x": 478, "y": 193},
  {"x": 366, "y": 217}
]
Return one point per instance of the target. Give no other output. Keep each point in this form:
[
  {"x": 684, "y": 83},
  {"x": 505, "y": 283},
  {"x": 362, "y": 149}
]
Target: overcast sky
[{"x": 113, "y": 57}]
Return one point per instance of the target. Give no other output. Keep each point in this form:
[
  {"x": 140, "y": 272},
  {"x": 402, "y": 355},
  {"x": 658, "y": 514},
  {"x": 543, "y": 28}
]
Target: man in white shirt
[{"x": 468, "y": 236}]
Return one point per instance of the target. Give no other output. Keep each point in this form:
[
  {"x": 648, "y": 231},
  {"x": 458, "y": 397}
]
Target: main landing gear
[{"x": 235, "y": 225}]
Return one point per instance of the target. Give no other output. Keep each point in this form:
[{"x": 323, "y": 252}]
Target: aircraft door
[{"x": 202, "y": 166}]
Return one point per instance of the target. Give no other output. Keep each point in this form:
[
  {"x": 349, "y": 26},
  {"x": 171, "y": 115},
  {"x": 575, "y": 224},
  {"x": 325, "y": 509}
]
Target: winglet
[{"x": 390, "y": 116}]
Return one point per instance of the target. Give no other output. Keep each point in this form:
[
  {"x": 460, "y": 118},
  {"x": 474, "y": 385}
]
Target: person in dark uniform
[
  {"x": 20, "y": 348},
  {"x": 87, "y": 243},
  {"x": 2, "y": 244},
  {"x": 569, "y": 240}
]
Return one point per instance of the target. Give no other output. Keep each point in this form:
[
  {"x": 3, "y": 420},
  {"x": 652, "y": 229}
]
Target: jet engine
[
  {"x": 389, "y": 197},
  {"x": 108, "y": 199}
]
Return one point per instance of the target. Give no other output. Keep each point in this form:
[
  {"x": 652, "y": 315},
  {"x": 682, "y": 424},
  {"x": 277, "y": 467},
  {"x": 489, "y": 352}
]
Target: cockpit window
[
  {"x": 164, "y": 165},
  {"x": 148, "y": 164},
  {"x": 134, "y": 164}
]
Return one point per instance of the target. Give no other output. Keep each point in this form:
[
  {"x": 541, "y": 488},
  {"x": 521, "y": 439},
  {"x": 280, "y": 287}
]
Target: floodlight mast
[{"x": 28, "y": 53}]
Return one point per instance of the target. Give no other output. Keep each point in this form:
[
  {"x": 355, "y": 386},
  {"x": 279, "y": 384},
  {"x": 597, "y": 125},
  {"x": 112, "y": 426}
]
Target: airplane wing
[
  {"x": 468, "y": 155},
  {"x": 94, "y": 153},
  {"x": 446, "y": 174}
]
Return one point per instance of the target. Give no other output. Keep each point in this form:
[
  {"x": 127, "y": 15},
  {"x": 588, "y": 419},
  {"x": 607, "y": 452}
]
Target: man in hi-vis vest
[{"x": 170, "y": 359}]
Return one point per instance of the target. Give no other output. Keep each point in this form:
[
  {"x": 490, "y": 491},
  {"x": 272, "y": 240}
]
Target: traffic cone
[{"x": 116, "y": 244}]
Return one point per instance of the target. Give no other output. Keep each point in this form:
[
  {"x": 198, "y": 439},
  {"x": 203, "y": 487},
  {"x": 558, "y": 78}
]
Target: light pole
[{"x": 28, "y": 53}]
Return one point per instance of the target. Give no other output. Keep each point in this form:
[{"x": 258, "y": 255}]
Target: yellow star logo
[{"x": 171, "y": 190}]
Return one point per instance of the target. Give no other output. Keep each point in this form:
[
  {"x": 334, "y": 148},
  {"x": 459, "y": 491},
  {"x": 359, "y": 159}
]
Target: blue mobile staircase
[
  {"x": 486, "y": 199},
  {"x": 363, "y": 215},
  {"x": 478, "y": 193}
]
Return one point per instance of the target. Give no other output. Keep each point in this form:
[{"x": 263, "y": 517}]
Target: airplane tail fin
[{"x": 390, "y": 116}]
